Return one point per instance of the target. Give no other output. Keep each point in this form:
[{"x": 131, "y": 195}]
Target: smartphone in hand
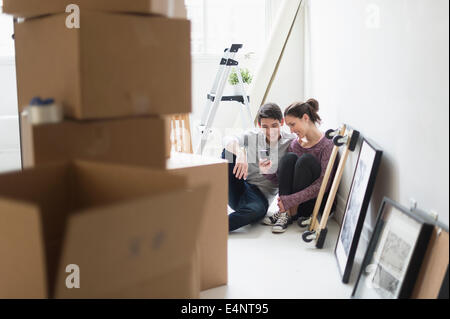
[
  {"x": 264, "y": 162},
  {"x": 264, "y": 155}
]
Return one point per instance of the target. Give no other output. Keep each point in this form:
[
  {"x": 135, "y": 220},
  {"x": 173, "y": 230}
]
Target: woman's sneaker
[
  {"x": 283, "y": 221},
  {"x": 271, "y": 220}
]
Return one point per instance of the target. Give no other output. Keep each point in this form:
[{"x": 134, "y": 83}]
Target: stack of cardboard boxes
[
  {"x": 118, "y": 69},
  {"x": 116, "y": 76}
]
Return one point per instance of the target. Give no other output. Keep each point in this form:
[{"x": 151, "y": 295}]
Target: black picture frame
[
  {"x": 399, "y": 241},
  {"x": 358, "y": 200}
]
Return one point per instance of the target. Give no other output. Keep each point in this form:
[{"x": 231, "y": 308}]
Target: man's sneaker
[
  {"x": 282, "y": 223},
  {"x": 271, "y": 220}
]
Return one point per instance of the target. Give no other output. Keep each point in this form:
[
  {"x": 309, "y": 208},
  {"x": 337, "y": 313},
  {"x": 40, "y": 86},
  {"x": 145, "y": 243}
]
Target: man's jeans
[{"x": 248, "y": 202}]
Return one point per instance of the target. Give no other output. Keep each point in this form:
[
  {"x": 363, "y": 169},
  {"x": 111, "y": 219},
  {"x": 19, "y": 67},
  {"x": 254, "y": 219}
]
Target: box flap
[
  {"x": 23, "y": 262},
  {"x": 184, "y": 160},
  {"x": 130, "y": 243},
  {"x": 33, "y": 8},
  {"x": 100, "y": 183},
  {"x": 47, "y": 187}
]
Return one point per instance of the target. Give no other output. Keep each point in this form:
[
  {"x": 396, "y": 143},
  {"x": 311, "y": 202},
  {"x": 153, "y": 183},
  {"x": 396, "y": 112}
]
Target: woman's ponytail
[{"x": 310, "y": 107}]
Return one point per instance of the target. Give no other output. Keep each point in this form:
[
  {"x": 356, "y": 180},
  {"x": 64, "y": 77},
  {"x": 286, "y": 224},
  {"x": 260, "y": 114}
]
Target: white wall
[
  {"x": 382, "y": 66},
  {"x": 9, "y": 122},
  {"x": 288, "y": 84}
]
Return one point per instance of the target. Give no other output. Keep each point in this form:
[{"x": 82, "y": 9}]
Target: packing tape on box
[{"x": 43, "y": 112}]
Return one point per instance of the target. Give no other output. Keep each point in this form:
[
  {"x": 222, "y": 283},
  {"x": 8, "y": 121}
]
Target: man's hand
[
  {"x": 280, "y": 205},
  {"x": 241, "y": 167}
]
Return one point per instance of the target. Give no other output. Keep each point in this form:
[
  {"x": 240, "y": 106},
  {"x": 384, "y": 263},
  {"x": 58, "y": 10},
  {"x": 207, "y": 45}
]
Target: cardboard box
[
  {"x": 135, "y": 141},
  {"x": 434, "y": 267},
  {"x": 131, "y": 231},
  {"x": 33, "y": 8},
  {"x": 114, "y": 65},
  {"x": 213, "y": 237}
]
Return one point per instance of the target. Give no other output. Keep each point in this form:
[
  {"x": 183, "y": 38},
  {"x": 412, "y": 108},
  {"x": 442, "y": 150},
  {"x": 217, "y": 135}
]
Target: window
[
  {"x": 216, "y": 24},
  {"x": 6, "y": 32}
]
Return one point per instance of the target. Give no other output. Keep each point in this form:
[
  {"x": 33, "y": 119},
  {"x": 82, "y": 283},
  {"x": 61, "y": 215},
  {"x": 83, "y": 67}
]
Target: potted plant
[{"x": 234, "y": 81}]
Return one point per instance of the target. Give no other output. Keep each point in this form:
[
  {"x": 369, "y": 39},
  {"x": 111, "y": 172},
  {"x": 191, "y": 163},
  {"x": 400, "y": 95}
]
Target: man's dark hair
[{"x": 270, "y": 111}]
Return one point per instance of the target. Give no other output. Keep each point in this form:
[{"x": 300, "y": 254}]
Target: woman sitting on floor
[{"x": 301, "y": 171}]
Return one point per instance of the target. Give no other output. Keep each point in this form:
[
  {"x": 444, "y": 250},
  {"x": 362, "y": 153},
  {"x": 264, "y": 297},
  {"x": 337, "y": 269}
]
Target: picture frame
[
  {"x": 361, "y": 189},
  {"x": 395, "y": 253}
]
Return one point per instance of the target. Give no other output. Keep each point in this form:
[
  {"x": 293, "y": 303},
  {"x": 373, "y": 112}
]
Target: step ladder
[{"x": 227, "y": 64}]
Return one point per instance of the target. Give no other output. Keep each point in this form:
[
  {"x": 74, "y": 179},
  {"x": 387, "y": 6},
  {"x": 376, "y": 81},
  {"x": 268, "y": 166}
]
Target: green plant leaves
[{"x": 246, "y": 77}]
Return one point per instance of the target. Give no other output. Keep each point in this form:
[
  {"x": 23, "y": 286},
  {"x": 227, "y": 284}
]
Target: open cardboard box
[
  {"x": 33, "y": 8},
  {"x": 131, "y": 231},
  {"x": 131, "y": 141},
  {"x": 114, "y": 65}
]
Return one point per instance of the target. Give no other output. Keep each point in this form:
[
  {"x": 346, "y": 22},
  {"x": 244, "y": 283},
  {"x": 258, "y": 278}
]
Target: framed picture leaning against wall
[
  {"x": 363, "y": 182},
  {"x": 395, "y": 254}
]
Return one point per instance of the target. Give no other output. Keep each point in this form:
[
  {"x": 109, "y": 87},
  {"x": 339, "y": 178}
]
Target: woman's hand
[
  {"x": 281, "y": 206},
  {"x": 264, "y": 166}
]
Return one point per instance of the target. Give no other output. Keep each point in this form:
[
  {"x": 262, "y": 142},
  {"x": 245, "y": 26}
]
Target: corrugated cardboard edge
[
  {"x": 22, "y": 265},
  {"x": 27, "y": 144}
]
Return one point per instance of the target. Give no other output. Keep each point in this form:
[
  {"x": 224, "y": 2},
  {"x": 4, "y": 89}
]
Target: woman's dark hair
[
  {"x": 310, "y": 107},
  {"x": 270, "y": 111}
]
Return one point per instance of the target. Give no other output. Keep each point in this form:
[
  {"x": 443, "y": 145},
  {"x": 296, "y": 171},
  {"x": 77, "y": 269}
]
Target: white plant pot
[{"x": 235, "y": 89}]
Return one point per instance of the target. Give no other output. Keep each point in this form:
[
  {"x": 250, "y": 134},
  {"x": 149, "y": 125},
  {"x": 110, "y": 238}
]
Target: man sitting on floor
[{"x": 250, "y": 193}]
